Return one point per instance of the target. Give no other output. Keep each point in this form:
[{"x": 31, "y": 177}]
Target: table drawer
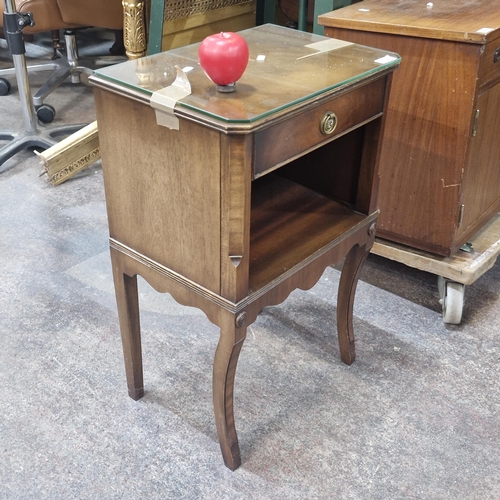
[
  {"x": 489, "y": 65},
  {"x": 296, "y": 136}
]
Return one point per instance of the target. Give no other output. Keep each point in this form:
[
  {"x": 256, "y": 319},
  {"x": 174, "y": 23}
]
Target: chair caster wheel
[
  {"x": 45, "y": 113},
  {"x": 4, "y": 86}
]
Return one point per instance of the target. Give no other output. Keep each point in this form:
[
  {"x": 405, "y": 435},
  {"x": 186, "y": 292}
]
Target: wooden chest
[{"x": 440, "y": 159}]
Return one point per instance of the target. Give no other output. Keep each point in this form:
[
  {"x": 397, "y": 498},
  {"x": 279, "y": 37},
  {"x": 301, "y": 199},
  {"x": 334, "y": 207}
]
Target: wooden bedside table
[
  {"x": 440, "y": 159},
  {"x": 255, "y": 194}
]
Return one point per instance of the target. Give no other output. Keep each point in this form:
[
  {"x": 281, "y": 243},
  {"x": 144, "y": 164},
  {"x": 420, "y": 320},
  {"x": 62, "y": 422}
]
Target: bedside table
[{"x": 254, "y": 194}]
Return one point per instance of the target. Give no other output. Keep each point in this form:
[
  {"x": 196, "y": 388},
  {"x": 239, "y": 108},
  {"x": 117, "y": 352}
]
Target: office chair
[
  {"x": 70, "y": 16},
  {"x": 51, "y": 14}
]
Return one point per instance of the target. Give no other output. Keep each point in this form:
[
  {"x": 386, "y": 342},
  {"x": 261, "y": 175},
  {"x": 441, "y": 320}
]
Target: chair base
[
  {"x": 64, "y": 67},
  {"x": 32, "y": 136},
  {"x": 41, "y": 138}
]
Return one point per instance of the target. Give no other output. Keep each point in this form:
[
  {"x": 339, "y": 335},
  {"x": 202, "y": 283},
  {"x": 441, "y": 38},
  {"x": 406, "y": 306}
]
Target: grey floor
[{"x": 415, "y": 417}]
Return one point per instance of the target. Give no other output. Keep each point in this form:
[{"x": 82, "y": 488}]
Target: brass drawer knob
[{"x": 328, "y": 123}]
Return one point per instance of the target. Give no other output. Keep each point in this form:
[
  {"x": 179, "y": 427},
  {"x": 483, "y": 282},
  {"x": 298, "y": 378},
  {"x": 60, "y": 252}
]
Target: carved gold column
[{"x": 134, "y": 28}]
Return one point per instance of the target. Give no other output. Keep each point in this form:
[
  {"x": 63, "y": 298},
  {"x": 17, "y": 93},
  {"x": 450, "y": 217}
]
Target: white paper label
[
  {"x": 386, "y": 59},
  {"x": 485, "y": 31}
]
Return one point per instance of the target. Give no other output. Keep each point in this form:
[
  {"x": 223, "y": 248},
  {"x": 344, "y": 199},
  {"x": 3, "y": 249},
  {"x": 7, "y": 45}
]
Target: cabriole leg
[
  {"x": 345, "y": 302},
  {"x": 226, "y": 359}
]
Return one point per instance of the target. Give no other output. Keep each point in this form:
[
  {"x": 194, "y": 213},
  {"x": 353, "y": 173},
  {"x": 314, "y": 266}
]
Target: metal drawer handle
[
  {"x": 328, "y": 123},
  {"x": 496, "y": 55}
]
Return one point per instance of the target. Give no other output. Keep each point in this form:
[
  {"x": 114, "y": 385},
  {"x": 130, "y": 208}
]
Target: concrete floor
[{"x": 417, "y": 416}]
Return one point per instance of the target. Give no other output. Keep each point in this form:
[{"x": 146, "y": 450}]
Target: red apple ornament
[{"x": 224, "y": 58}]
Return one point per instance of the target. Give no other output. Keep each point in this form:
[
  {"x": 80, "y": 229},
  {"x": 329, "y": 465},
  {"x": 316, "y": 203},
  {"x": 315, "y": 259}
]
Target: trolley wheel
[
  {"x": 4, "y": 86},
  {"x": 451, "y": 297},
  {"x": 45, "y": 113}
]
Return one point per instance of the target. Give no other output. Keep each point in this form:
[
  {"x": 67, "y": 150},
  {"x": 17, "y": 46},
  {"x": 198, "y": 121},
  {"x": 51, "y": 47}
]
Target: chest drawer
[
  {"x": 280, "y": 143},
  {"x": 489, "y": 65}
]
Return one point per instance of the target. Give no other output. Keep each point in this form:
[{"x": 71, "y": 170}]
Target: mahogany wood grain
[
  {"x": 431, "y": 162},
  {"x": 481, "y": 183},
  {"x": 428, "y": 126},
  {"x": 489, "y": 65},
  {"x": 453, "y": 20}
]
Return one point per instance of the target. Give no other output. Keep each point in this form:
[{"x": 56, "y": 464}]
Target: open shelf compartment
[{"x": 289, "y": 224}]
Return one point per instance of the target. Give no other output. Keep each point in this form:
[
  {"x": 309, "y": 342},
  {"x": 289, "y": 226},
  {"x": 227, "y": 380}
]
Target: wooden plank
[{"x": 464, "y": 267}]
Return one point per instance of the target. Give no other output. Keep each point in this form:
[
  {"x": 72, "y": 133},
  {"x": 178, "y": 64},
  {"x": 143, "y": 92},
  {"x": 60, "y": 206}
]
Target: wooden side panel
[
  {"x": 236, "y": 168},
  {"x": 426, "y": 136},
  {"x": 369, "y": 179},
  {"x": 332, "y": 170},
  {"x": 481, "y": 187},
  {"x": 155, "y": 190}
]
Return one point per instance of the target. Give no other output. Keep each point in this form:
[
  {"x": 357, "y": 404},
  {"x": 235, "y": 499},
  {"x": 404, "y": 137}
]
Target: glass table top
[{"x": 286, "y": 67}]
